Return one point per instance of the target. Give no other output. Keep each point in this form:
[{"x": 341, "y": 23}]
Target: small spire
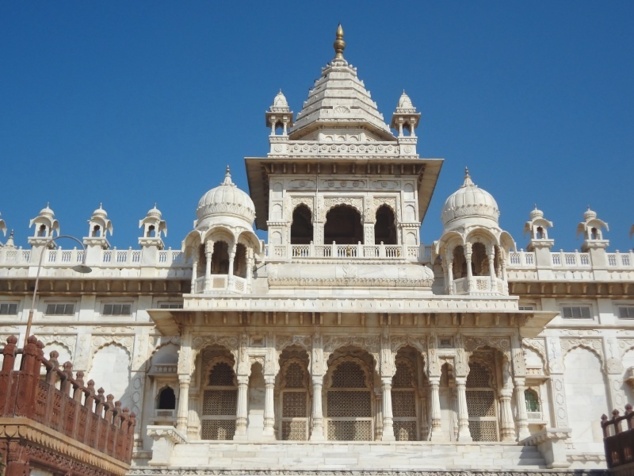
[
  {"x": 10, "y": 243},
  {"x": 227, "y": 180},
  {"x": 467, "y": 178},
  {"x": 339, "y": 44}
]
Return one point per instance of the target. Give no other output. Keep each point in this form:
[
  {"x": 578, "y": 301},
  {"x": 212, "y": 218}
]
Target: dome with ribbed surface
[
  {"x": 225, "y": 201},
  {"x": 470, "y": 205}
]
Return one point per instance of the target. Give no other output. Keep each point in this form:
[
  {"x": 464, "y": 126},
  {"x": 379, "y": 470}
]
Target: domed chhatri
[
  {"x": 226, "y": 200},
  {"x": 470, "y": 205}
]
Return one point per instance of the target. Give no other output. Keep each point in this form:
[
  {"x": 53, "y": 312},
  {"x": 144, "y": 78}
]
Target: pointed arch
[
  {"x": 302, "y": 225},
  {"x": 385, "y": 226}
]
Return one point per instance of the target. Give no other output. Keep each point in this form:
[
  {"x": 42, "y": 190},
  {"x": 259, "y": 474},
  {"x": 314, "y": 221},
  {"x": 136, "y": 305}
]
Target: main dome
[
  {"x": 225, "y": 201},
  {"x": 470, "y": 205}
]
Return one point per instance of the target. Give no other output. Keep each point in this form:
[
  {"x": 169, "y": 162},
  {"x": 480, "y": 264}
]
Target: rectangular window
[
  {"x": 60, "y": 309},
  {"x": 8, "y": 308},
  {"x": 170, "y": 305},
  {"x": 526, "y": 307},
  {"x": 117, "y": 309},
  {"x": 576, "y": 312},
  {"x": 626, "y": 312}
]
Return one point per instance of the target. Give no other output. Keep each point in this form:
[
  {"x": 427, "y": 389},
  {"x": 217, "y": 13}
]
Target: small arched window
[
  {"x": 95, "y": 231},
  {"x": 166, "y": 399},
  {"x": 385, "y": 226},
  {"x": 41, "y": 230},
  {"x": 302, "y": 226},
  {"x": 532, "y": 401},
  {"x": 540, "y": 233}
]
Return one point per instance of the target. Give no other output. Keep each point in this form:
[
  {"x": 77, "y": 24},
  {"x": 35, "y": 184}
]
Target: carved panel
[
  {"x": 397, "y": 342},
  {"x": 503, "y": 344},
  {"x": 594, "y": 345},
  {"x": 282, "y": 342}
]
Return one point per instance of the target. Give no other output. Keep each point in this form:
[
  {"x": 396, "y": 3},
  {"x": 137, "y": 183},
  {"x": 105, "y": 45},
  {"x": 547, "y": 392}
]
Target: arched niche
[{"x": 343, "y": 226}]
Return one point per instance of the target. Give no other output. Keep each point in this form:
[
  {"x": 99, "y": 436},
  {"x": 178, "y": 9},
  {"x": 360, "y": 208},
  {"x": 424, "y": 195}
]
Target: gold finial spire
[{"x": 339, "y": 44}]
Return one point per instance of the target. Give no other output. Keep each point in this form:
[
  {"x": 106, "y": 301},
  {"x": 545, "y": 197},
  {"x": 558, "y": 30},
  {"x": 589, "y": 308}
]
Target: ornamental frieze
[
  {"x": 501, "y": 343},
  {"x": 398, "y": 342},
  {"x": 302, "y": 341},
  {"x": 370, "y": 344},
  {"x": 229, "y": 342},
  {"x": 595, "y": 345}
]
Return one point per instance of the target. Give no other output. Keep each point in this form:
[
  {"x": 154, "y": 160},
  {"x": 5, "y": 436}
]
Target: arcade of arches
[
  {"x": 350, "y": 400},
  {"x": 344, "y": 225}
]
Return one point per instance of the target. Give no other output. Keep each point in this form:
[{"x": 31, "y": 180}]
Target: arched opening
[
  {"x": 41, "y": 231},
  {"x": 385, "y": 226},
  {"x": 479, "y": 260},
  {"x": 151, "y": 231},
  {"x": 96, "y": 231},
  {"x": 302, "y": 226},
  {"x": 202, "y": 261},
  {"x": 220, "y": 258},
  {"x": 594, "y": 234},
  {"x": 481, "y": 402},
  {"x": 219, "y": 405},
  {"x": 539, "y": 233},
  {"x": 343, "y": 226},
  {"x": 533, "y": 408},
  {"x": 408, "y": 391},
  {"x": 459, "y": 263},
  {"x": 349, "y": 394},
  {"x": 166, "y": 399},
  {"x": 240, "y": 261},
  {"x": 294, "y": 395}
]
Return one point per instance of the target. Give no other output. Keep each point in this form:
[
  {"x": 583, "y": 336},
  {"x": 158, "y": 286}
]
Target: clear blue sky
[{"x": 136, "y": 102}]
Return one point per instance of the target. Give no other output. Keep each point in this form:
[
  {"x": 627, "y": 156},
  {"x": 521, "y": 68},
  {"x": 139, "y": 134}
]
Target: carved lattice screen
[
  {"x": 481, "y": 404},
  {"x": 295, "y": 404},
  {"x": 218, "y": 417},
  {"x": 349, "y": 405},
  {"x": 404, "y": 404}
]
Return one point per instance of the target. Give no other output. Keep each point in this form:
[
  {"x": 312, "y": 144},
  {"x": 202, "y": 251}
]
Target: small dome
[
  {"x": 280, "y": 104},
  {"x": 47, "y": 212},
  {"x": 589, "y": 215},
  {"x": 536, "y": 213},
  {"x": 100, "y": 212},
  {"x": 405, "y": 101},
  {"x": 154, "y": 212},
  {"x": 470, "y": 203},
  {"x": 226, "y": 200}
]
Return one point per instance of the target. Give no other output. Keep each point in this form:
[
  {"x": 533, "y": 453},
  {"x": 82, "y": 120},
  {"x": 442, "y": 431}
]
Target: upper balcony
[{"x": 381, "y": 252}]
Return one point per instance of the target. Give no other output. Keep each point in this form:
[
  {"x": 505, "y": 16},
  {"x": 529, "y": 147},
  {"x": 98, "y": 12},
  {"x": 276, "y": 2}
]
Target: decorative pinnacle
[
  {"x": 227, "y": 180},
  {"x": 467, "y": 178},
  {"x": 339, "y": 45}
]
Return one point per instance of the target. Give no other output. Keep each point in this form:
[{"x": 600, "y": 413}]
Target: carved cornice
[{"x": 43, "y": 437}]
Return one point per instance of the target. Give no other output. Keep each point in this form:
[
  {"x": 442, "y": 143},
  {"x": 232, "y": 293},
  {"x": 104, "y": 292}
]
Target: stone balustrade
[
  {"x": 349, "y": 252},
  {"x": 48, "y": 416}
]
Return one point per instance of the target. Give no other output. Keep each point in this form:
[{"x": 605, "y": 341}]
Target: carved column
[
  {"x": 388, "y": 419},
  {"x": 269, "y": 409},
  {"x": 317, "y": 372},
  {"x": 436, "y": 435},
  {"x": 507, "y": 429},
  {"x": 614, "y": 370},
  {"x": 449, "y": 265},
  {"x": 232, "y": 257},
  {"x": 241, "y": 411},
  {"x": 209, "y": 248},
  {"x": 387, "y": 371},
  {"x": 318, "y": 233},
  {"x": 464, "y": 434},
  {"x": 184, "y": 380},
  {"x": 520, "y": 402},
  {"x": 183, "y": 403},
  {"x": 467, "y": 257},
  {"x": 194, "y": 273}
]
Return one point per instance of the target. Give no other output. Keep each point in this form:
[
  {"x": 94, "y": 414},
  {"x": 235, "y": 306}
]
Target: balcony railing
[
  {"x": 618, "y": 439},
  {"x": 348, "y": 252},
  {"x": 62, "y": 403},
  {"x": 220, "y": 283},
  {"x": 475, "y": 285}
]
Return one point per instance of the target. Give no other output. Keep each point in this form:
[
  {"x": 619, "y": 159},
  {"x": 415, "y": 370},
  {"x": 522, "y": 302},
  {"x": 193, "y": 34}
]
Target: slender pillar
[
  {"x": 507, "y": 425},
  {"x": 241, "y": 411},
  {"x": 269, "y": 409},
  {"x": 467, "y": 257},
  {"x": 183, "y": 403},
  {"x": 464, "y": 434},
  {"x": 232, "y": 257},
  {"x": 317, "y": 430},
  {"x": 209, "y": 247},
  {"x": 194, "y": 275},
  {"x": 388, "y": 419},
  {"x": 435, "y": 409},
  {"x": 449, "y": 264},
  {"x": 520, "y": 402}
]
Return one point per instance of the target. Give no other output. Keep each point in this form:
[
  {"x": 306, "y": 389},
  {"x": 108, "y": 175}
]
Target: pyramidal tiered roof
[{"x": 339, "y": 100}]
